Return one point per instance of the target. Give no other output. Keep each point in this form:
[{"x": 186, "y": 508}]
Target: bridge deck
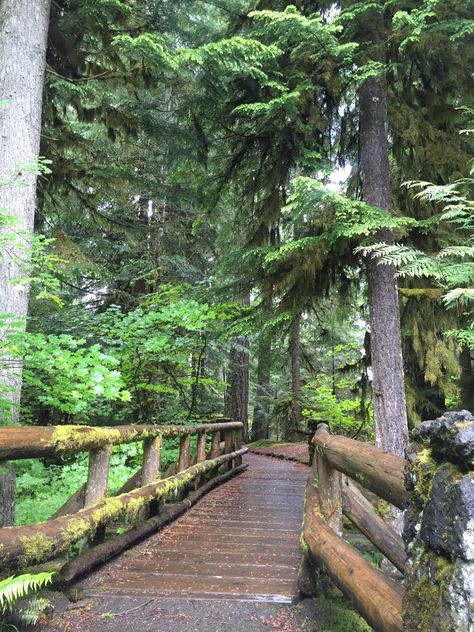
[{"x": 240, "y": 542}]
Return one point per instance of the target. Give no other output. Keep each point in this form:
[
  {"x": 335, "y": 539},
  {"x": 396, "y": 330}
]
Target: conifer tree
[{"x": 23, "y": 34}]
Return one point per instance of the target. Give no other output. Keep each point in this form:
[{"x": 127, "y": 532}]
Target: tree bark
[
  {"x": 7, "y": 495},
  {"x": 295, "y": 355},
  {"x": 391, "y": 428},
  {"x": 467, "y": 379},
  {"x": 23, "y": 36},
  {"x": 236, "y": 401},
  {"x": 260, "y": 422}
]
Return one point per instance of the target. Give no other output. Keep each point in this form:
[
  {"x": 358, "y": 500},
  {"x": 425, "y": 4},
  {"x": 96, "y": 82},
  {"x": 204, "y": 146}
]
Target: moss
[
  {"x": 81, "y": 438},
  {"x": 336, "y": 615},
  {"x": 109, "y": 509},
  {"x": 421, "y": 603},
  {"x": 422, "y": 471},
  {"x": 303, "y": 546},
  {"x": 134, "y": 507},
  {"x": 425, "y": 457},
  {"x": 425, "y": 586},
  {"x": 76, "y": 529},
  {"x": 383, "y": 508},
  {"x": 37, "y": 548}
]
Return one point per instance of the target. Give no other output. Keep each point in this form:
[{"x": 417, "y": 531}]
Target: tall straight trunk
[
  {"x": 295, "y": 356},
  {"x": 236, "y": 401},
  {"x": 23, "y": 36},
  {"x": 391, "y": 428},
  {"x": 260, "y": 421},
  {"x": 467, "y": 379}
]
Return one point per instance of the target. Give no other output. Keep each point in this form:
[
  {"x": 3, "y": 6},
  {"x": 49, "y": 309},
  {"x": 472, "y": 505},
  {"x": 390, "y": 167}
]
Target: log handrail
[
  {"x": 89, "y": 511},
  {"x": 21, "y": 442},
  {"x": 378, "y": 471},
  {"x": 340, "y": 467}
]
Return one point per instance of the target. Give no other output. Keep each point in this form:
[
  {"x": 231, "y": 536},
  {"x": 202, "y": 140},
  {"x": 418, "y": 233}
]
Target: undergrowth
[{"x": 42, "y": 488}]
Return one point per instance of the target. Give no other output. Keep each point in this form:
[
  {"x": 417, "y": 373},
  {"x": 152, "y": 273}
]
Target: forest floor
[{"x": 138, "y": 614}]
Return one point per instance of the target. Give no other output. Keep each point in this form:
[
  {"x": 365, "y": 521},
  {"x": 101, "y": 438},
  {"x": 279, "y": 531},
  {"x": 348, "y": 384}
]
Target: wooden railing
[
  {"x": 84, "y": 517},
  {"x": 342, "y": 466}
]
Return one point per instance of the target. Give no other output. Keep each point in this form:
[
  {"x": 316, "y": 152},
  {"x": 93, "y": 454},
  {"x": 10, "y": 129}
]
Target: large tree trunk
[
  {"x": 260, "y": 421},
  {"x": 23, "y": 35},
  {"x": 295, "y": 357},
  {"x": 467, "y": 379},
  {"x": 236, "y": 402},
  {"x": 391, "y": 428}
]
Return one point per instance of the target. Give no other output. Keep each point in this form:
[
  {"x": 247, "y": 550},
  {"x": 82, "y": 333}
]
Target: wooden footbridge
[{"x": 240, "y": 541}]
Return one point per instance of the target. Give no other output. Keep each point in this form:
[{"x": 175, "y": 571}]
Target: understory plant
[{"x": 15, "y": 589}]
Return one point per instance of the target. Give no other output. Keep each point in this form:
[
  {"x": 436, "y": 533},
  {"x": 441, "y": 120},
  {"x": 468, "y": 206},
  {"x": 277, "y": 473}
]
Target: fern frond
[
  {"x": 14, "y": 588},
  {"x": 454, "y": 296},
  {"x": 34, "y": 611},
  {"x": 456, "y": 251}
]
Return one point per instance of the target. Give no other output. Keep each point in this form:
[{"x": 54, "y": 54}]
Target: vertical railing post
[
  {"x": 215, "y": 450},
  {"x": 308, "y": 573},
  {"x": 97, "y": 480},
  {"x": 229, "y": 445},
  {"x": 329, "y": 484},
  {"x": 237, "y": 445},
  {"x": 184, "y": 452},
  {"x": 200, "y": 455},
  {"x": 151, "y": 469},
  {"x": 215, "y": 445},
  {"x": 201, "y": 447},
  {"x": 98, "y": 475}
]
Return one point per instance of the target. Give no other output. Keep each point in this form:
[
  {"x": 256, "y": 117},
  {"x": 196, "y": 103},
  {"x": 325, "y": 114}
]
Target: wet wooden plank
[{"x": 239, "y": 542}]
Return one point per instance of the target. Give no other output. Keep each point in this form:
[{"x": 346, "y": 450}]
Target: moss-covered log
[
  {"x": 25, "y": 442},
  {"x": 380, "y": 472},
  {"x": 24, "y": 545},
  {"x": 378, "y": 599}
]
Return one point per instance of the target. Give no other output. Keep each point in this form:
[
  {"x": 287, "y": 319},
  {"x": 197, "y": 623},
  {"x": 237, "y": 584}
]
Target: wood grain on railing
[
  {"x": 329, "y": 495},
  {"x": 361, "y": 513},
  {"x": 378, "y": 599},
  {"x": 21, "y": 442},
  {"x": 378, "y": 471}
]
